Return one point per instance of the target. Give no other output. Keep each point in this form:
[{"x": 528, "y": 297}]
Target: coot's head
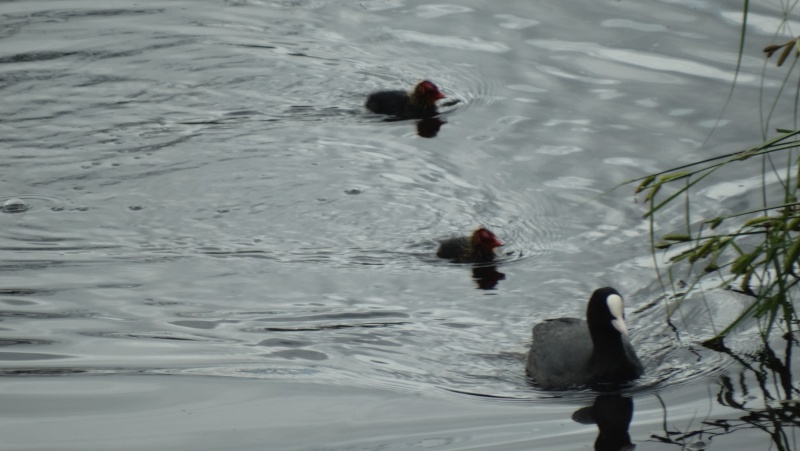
[
  {"x": 428, "y": 92},
  {"x": 485, "y": 240},
  {"x": 613, "y": 360},
  {"x": 605, "y": 315}
]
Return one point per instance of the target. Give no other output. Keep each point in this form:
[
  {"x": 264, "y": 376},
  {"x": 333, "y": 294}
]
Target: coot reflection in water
[
  {"x": 426, "y": 128},
  {"x": 612, "y": 413},
  {"x": 487, "y": 277},
  {"x": 429, "y": 127}
]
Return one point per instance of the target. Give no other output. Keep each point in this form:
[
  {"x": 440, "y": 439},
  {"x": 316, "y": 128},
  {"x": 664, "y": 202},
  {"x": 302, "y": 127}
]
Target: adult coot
[
  {"x": 571, "y": 352},
  {"x": 418, "y": 104},
  {"x": 477, "y": 248}
]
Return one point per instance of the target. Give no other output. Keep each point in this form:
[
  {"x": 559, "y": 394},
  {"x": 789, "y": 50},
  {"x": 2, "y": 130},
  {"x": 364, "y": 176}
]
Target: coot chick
[
  {"x": 418, "y": 104},
  {"x": 571, "y": 352},
  {"x": 477, "y": 248}
]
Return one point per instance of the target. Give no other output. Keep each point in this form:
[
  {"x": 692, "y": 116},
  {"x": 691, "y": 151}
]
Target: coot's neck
[
  {"x": 477, "y": 253},
  {"x": 610, "y": 363},
  {"x": 613, "y": 360},
  {"x": 419, "y": 105},
  {"x": 607, "y": 341}
]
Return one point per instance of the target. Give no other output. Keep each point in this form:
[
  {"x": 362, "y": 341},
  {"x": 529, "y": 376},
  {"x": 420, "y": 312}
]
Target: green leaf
[
  {"x": 745, "y": 285},
  {"x": 758, "y": 220},
  {"x": 714, "y": 223},
  {"x": 742, "y": 263},
  {"x": 791, "y": 256},
  {"x": 645, "y": 183},
  {"x": 707, "y": 247},
  {"x": 673, "y": 176},
  {"x": 677, "y": 237},
  {"x": 652, "y": 192}
]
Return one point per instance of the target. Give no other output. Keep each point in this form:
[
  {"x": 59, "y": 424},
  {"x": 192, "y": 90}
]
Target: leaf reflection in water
[{"x": 763, "y": 390}]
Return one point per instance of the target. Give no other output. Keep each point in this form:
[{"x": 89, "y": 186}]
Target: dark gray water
[{"x": 208, "y": 243}]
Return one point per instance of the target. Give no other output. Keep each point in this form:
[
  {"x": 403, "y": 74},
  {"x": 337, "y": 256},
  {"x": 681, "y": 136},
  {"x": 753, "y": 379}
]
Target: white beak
[
  {"x": 619, "y": 324},
  {"x": 614, "y": 303}
]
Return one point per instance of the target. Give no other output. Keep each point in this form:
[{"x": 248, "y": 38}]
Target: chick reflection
[
  {"x": 429, "y": 127},
  {"x": 487, "y": 277},
  {"x": 612, "y": 414}
]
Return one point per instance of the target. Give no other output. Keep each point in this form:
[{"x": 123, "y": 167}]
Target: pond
[{"x": 208, "y": 241}]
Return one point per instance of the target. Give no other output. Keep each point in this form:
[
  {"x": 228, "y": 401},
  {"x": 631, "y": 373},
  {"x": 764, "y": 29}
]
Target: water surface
[{"x": 208, "y": 242}]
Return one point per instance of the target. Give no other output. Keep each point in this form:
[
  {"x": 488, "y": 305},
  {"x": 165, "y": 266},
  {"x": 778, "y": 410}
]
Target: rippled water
[{"x": 193, "y": 192}]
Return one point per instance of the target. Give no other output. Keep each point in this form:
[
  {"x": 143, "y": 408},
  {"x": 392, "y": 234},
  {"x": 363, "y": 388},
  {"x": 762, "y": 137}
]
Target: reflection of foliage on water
[
  {"x": 755, "y": 252},
  {"x": 772, "y": 408}
]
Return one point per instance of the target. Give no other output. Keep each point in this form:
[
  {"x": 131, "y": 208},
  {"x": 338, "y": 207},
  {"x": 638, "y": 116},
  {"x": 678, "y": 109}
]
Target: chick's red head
[
  {"x": 485, "y": 239},
  {"x": 428, "y": 90}
]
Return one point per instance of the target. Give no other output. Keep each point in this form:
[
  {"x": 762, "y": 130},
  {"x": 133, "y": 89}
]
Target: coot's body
[
  {"x": 420, "y": 103},
  {"x": 571, "y": 352}
]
